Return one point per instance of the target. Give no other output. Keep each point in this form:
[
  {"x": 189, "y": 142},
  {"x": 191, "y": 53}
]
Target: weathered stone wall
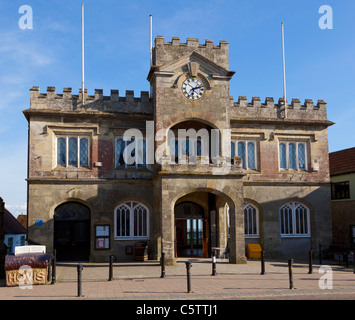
[
  {"x": 101, "y": 198},
  {"x": 270, "y": 197},
  {"x": 255, "y": 109},
  {"x": 102, "y": 132},
  {"x": 165, "y": 52},
  {"x": 268, "y": 137},
  {"x": 92, "y": 103}
]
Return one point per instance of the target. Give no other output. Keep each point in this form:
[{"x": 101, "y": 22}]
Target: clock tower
[{"x": 190, "y": 88}]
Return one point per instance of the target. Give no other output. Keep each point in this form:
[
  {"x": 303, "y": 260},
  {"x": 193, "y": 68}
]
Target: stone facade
[{"x": 218, "y": 182}]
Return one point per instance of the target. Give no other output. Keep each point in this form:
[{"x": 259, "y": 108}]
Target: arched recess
[
  {"x": 193, "y": 137},
  {"x": 72, "y": 232}
]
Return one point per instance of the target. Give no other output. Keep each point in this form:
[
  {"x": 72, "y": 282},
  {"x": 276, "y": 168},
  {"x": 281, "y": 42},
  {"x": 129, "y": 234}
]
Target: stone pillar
[
  {"x": 2, "y": 238},
  {"x": 168, "y": 231},
  {"x": 237, "y": 239}
]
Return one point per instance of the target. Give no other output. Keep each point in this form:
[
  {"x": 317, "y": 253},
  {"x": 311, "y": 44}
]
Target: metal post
[
  {"x": 283, "y": 66},
  {"x": 110, "y": 272},
  {"x": 310, "y": 270},
  {"x": 262, "y": 262},
  {"x": 53, "y": 267},
  {"x": 49, "y": 274},
  {"x": 214, "y": 263},
  {"x": 188, "y": 270},
  {"x": 162, "y": 262},
  {"x": 82, "y": 53},
  {"x": 346, "y": 257},
  {"x": 79, "y": 268},
  {"x": 320, "y": 254},
  {"x": 290, "y": 270}
]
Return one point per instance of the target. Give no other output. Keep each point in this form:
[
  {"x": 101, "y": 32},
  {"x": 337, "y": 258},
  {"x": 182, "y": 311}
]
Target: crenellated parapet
[
  {"x": 256, "y": 109},
  {"x": 67, "y": 101},
  {"x": 165, "y": 52}
]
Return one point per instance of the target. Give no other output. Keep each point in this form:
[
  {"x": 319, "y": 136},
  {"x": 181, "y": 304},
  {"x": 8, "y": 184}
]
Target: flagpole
[
  {"x": 82, "y": 52},
  {"x": 151, "y": 48},
  {"x": 151, "y": 39},
  {"x": 284, "y": 73}
]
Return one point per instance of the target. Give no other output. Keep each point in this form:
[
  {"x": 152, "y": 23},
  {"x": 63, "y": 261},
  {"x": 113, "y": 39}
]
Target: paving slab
[{"x": 142, "y": 281}]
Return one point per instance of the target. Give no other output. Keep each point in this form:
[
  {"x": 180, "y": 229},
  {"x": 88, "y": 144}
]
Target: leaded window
[
  {"x": 246, "y": 150},
  {"x": 251, "y": 220},
  {"x": 294, "y": 220},
  {"x": 293, "y": 156},
  {"x": 73, "y": 151},
  {"x": 131, "y": 153},
  {"x": 187, "y": 147},
  {"x": 131, "y": 221}
]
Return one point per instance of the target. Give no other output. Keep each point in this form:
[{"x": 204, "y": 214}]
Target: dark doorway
[
  {"x": 72, "y": 232},
  {"x": 190, "y": 227}
]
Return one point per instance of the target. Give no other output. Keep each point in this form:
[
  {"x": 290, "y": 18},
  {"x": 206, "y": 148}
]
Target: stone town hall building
[{"x": 261, "y": 177}]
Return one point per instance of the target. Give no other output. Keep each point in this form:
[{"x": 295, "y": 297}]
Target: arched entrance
[
  {"x": 72, "y": 232},
  {"x": 201, "y": 225},
  {"x": 190, "y": 230}
]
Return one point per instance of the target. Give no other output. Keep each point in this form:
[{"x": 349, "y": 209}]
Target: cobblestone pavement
[{"x": 142, "y": 281}]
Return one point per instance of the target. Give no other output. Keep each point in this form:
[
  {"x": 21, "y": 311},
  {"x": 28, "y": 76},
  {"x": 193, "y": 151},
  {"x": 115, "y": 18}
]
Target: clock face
[{"x": 193, "y": 89}]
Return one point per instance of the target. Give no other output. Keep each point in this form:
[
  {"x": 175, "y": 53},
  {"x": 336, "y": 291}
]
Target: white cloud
[{"x": 16, "y": 209}]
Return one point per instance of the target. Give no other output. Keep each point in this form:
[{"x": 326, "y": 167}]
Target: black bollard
[
  {"x": 79, "y": 268},
  {"x": 110, "y": 271},
  {"x": 214, "y": 263},
  {"x": 290, "y": 270},
  {"x": 310, "y": 264},
  {"x": 346, "y": 258},
  {"x": 188, "y": 271},
  {"x": 49, "y": 274},
  {"x": 53, "y": 267},
  {"x": 262, "y": 262},
  {"x": 162, "y": 262}
]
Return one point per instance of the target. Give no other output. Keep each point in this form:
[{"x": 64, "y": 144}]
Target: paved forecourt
[{"x": 142, "y": 281}]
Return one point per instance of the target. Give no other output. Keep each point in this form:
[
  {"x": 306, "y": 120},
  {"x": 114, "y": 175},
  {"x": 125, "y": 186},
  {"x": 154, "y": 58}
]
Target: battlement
[
  {"x": 271, "y": 110},
  {"x": 165, "y": 52},
  {"x": 51, "y": 100},
  {"x": 191, "y": 42}
]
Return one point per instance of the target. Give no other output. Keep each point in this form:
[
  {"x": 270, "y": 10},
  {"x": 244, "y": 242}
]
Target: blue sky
[{"x": 320, "y": 63}]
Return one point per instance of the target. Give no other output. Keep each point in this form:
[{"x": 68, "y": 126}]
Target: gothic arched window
[{"x": 131, "y": 221}]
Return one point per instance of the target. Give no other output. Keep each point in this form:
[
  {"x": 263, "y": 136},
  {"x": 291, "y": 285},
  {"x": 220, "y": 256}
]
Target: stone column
[
  {"x": 237, "y": 239},
  {"x": 168, "y": 231},
  {"x": 2, "y": 238}
]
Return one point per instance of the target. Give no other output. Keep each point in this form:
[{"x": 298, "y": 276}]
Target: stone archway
[{"x": 226, "y": 189}]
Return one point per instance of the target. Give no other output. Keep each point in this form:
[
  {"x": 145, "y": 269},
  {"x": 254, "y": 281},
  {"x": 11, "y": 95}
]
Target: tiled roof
[
  {"x": 342, "y": 162},
  {"x": 11, "y": 225}
]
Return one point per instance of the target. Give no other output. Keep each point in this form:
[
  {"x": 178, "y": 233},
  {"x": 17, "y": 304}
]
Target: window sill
[
  {"x": 251, "y": 171},
  {"x": 132, "y": 238},
  {"x": 295, "y": 236},
  {"x": 293, "y": 171},
  {"x": 142, "y": 169},
  {"x": 72, "y": 169}
]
